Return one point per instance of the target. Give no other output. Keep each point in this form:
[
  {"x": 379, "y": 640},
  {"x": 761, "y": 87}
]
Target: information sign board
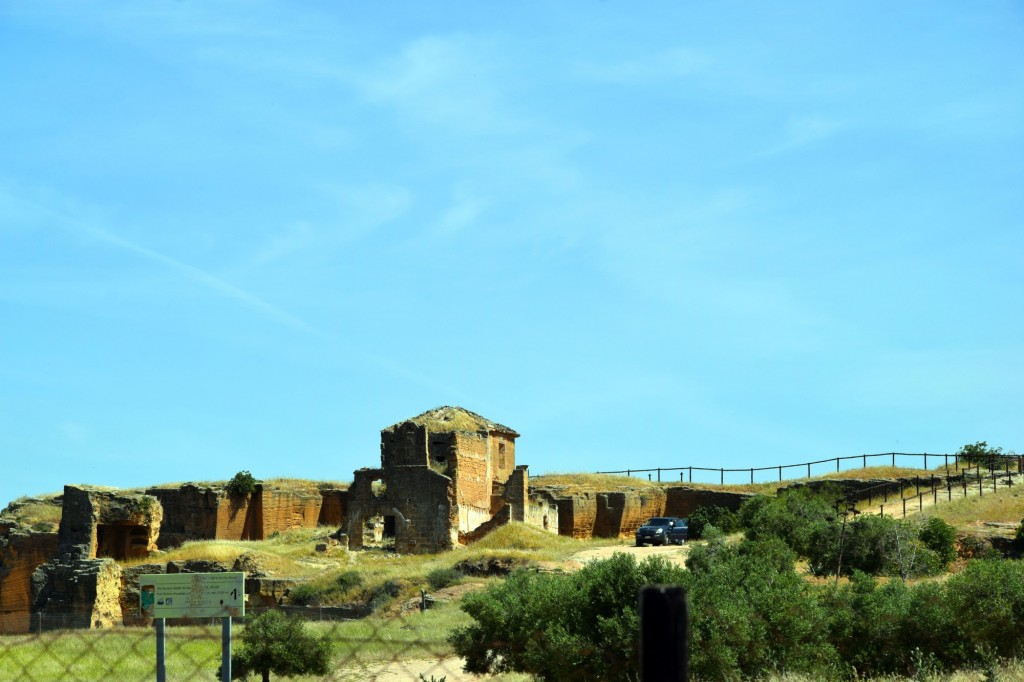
[{"x": 192, "y": 595}]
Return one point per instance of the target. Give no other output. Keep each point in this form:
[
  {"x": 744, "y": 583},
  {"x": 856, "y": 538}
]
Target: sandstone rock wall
[
  {"x": 683, "y": 500},
  {"x": 333, "y": 507},
  {"x": 282, "y": 510},
  {"x": 619, "y": 514},
  {"x": 190, "y": 513},
  {"x": 21, "y": 553},
  {"x": 77, "y": 593},
  {"x": 577, "y": 515}
]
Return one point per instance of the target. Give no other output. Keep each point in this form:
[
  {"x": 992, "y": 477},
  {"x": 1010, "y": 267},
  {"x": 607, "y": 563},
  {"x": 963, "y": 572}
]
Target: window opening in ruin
[
  {"x": 545, "y": 522},
  {"x": 378, "y": 487},
  {"x": 501, "y": 455},
  {"x": 122, "y": 541},
  {"x": 389, "y": 527}
]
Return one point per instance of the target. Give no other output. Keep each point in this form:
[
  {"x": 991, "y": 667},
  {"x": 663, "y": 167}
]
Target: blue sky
[{"x": 249, "y": 235}]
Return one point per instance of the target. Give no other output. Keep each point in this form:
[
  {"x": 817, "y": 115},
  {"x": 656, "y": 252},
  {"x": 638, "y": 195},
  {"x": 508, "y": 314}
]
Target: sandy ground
[{"x": 674, "y": 553}]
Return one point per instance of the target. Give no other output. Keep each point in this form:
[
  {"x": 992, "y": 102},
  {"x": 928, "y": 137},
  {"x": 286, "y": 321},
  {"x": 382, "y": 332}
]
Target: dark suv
[{"x": 659, "y": 531}]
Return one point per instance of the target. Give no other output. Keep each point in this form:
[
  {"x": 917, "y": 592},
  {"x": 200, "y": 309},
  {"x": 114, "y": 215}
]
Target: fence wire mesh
[{"x": 392, "y": 649}]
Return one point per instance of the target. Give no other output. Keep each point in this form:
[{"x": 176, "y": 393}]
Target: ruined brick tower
[{"x": 444, "y": 474}]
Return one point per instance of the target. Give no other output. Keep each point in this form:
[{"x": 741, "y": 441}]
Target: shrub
[
  {"x": 379, "y": 596},
  {"x": 751, "y": 613},
  {"x": 582, "y": 625},
  {"x": 241, "y": 483},
  {"x": 724, "y": 519},
  {"x": 796, "y": 517},
  {"x": 439, "y": 578},
  {"x": 275, "y": 643},
  {"x": 1020, "y": 534},
  {"x": 940, "y": 537},
  {"x": 325, "y": 592}
]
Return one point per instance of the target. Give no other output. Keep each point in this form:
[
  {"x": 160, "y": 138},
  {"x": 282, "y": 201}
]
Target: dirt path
[
  {"x": 674, "y": 553},
  {"x": 916, "y": 505}
]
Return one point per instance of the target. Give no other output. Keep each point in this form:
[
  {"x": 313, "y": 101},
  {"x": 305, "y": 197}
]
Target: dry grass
[
  {"x": 40, "y": 513},
  {"x": 583, "y": 482},
  {"x": 1004, "y": 506}
]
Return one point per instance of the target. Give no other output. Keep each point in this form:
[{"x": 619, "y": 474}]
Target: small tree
[
  {"x": 980, "y": 453},
  {"x": 277, "y": 643},
  {"x": 241, "y": 483}
]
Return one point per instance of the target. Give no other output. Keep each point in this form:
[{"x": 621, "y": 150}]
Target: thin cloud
[
  {"x": 803, "y": 131},
  {"x": 189, "y": 272}
]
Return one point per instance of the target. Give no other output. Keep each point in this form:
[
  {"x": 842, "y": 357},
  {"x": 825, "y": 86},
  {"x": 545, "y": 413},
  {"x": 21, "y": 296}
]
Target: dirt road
[{"x": 673, "y": 553}]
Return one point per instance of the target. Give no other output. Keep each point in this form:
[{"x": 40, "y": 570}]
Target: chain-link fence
[{"x": 412, "y": 647}]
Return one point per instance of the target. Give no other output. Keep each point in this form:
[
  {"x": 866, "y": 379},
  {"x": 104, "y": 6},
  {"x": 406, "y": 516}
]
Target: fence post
[
  {"x": 904, "y": 507},
  {"x": 894, "y": 460},
  {"x": 664, "y": 634},
  {"x": 808, "y": 470},
  {"x": 649, "y": 477},
  {"x": 837, "y": 465},
  {"x": 926, "y": 460},
  {"x": 691, "y": 474},
  {"x": 780, "y": 472},
  {"x": 751, "y": 475},
  {"x": 881, "y": 510},
  {"x": 681, "y": 474},
  {"x": 628, "y": 474},
  {"x": 865, "y": 460},
  {"x": 659, "y": 474},
  {"x": 161, "y": 651},
  {"x": 721, "y": 476}
]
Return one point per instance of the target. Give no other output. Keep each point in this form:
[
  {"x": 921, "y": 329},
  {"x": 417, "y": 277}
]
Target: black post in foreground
[{"x": 664, "y": 634}]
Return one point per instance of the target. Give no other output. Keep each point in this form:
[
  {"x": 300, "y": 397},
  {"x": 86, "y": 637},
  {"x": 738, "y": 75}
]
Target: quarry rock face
[
  {"x": 21, "y": 553},
  {"x": 102, "y": 523},
  {"x": 194, "y": 512},
  {"x": 682, "y": 501},
  {"x": 619, "y": 514},
  {"x": 77, "y": 593},
  {"x": 81, "y": 586}
]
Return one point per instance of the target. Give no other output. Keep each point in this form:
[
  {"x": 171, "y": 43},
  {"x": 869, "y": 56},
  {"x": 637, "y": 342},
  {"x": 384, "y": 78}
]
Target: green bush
[
  {"x": 439, "y": 578},
  {"x": 320, "y": 592},
  {"x": 798, "y": 518},
  {"x": 752, "y": 613},
  {"x": 275, "y": 643},
  {"x": 241, "y": 483},
  {"x": 579, "y": 626},
  {"x": 1020, "y": 534},
  {"x": 940, "y": 537},
  {"x": 382, "y": 594},
  {"x": 724, "y": 519}
]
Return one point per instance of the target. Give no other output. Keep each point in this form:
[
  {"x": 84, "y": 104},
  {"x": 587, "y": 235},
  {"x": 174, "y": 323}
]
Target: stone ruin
[
  {"x": 446, "y": 478},
  {"x": 81, "y": 585}
]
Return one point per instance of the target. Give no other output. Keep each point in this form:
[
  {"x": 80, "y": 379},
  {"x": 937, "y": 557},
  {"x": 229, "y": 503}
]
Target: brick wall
[
  {"x": 502, "y": 451},
  {"x": 472, "y": 478},
  {"x": 516, "y": 493},
  {"x": 405, "y": 445},
  {"x": 542, "y": 512}
]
